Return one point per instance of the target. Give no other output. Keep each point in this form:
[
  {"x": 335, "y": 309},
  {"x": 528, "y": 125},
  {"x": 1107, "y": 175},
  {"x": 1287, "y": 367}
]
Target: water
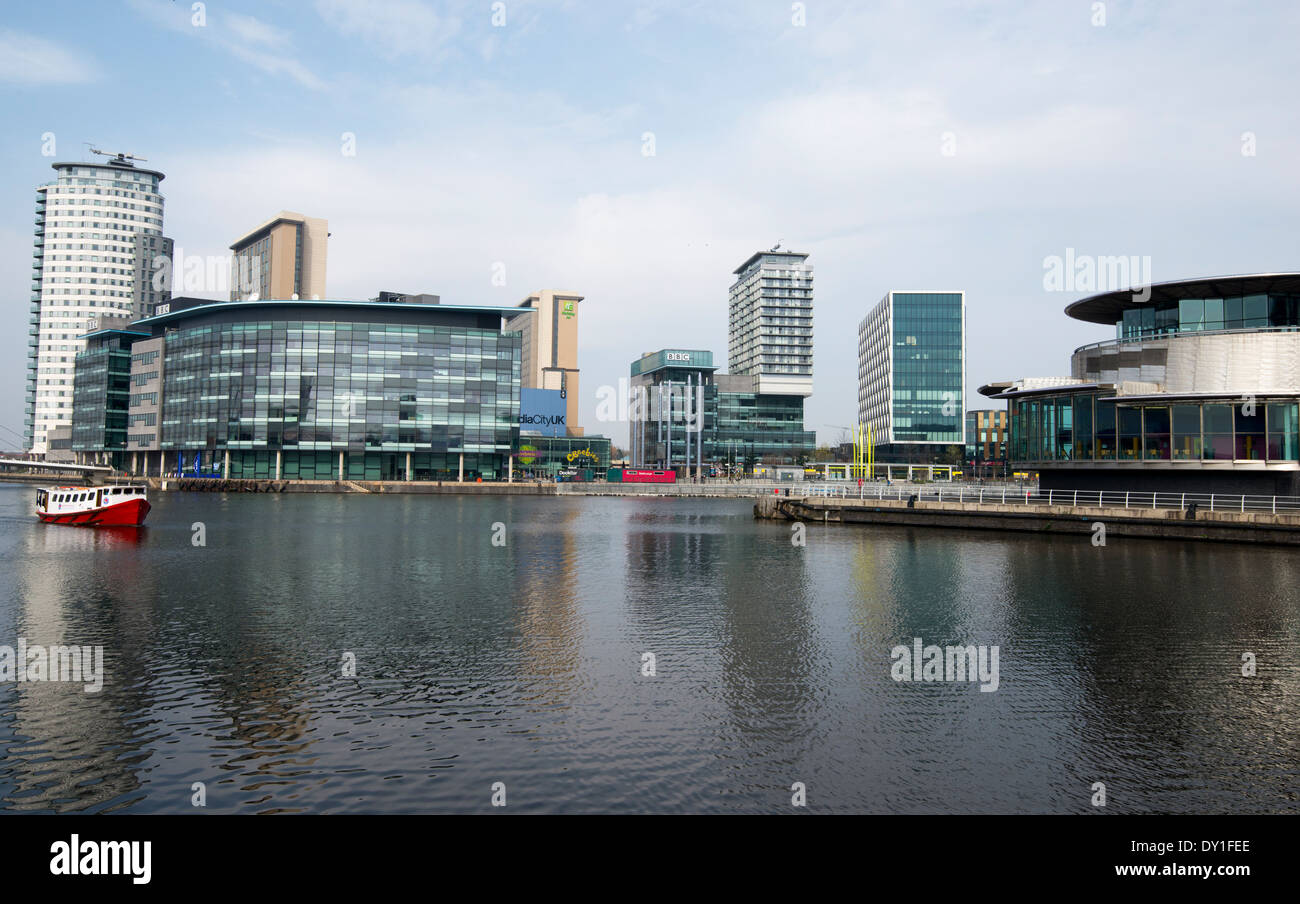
[{"x": 522, "y": 664}]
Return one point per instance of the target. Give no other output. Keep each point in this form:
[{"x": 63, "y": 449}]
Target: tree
[{"x": 953, "y": 455}]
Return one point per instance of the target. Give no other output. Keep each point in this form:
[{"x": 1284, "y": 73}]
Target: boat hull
[{"x": 129, "y": 513}]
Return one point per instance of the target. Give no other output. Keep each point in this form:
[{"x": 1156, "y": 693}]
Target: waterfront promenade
[
  {"x": 709, "y": 488},
  {"x": 1243, "y": 519}
]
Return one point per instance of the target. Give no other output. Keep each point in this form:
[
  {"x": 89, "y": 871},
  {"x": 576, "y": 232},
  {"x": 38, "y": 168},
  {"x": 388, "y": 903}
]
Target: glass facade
[
  {"x": 101, "y": 393},
  {"x": 674, "y": 391},
  {"x": 756, "y": 426},
  {"x": 374, "y": 391},
  {"x": 546, "y": 456},
  {"x": 928, "y": 371},
  {"x": 1239, "y": 312},
  {"x": 1093, "y": 427}
]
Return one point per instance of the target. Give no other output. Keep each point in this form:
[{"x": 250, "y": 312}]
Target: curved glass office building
[
  {"x": 1198, "y": 392},
  {"x": 325, "y": 390}
]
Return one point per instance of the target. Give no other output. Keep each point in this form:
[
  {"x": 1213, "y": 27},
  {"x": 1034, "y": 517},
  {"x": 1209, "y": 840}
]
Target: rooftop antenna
[
  {"x": 120, "y": 158},
  {"x": 776, "y": 246}
]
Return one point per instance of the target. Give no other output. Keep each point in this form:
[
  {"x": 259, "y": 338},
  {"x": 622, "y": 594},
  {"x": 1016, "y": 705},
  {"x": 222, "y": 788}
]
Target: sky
[{"x": 637, "y": 153}]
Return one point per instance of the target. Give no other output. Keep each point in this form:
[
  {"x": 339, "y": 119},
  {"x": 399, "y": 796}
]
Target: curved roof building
[
  {"x": 1198, "y": 392},
  {"x": 304, "y": 389}
]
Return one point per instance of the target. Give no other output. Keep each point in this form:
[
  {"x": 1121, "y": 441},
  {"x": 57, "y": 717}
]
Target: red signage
[{"x": 631, "y": 476}]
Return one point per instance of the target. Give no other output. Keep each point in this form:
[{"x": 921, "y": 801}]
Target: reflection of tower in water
[
  {"x": 550, "y": 626},
  {"x": 66, "y": 743},
  {"x": 773, "y": 661}
]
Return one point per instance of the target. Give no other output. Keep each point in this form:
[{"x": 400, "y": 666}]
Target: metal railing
[
  {"x": 1177, "y": 334},
  {"x": 1129, "y": 499}
]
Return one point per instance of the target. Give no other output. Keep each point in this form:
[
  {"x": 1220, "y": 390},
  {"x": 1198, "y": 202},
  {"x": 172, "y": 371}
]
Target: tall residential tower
[
  {"x": 98, "y": 228},
  {"x": 770, "y": 322}
]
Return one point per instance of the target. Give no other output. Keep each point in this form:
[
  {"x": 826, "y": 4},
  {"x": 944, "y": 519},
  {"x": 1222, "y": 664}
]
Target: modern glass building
[
  {"x": 101, "y": 388},
  {"x": 1199, "y": 392},
  {"x": 986, "y": 436},
  {"x": 685, "y": 416},
  {"x": 912, "y": 369},
  {"x": 325, "y": 390},
  {"x": 752, "y": 427},
  {"x": 672, "y": 409}
]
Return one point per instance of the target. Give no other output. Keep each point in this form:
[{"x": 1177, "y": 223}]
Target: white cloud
[
  {"x": 254, "y": 31},
  {"x": 30, "y": 60},
  {"x": 273, "y": 64},
  {"x": 392, "y": 28},
  {"x": 248, "y": 39}
]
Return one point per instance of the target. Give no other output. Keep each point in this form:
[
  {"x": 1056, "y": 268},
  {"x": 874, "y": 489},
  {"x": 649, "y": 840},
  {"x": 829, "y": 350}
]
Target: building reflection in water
[
  {"x": 72, "y": 587},
  {"x": 545, "y": 564}
]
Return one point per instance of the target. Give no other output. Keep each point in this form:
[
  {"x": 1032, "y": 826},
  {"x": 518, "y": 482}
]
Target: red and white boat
[{"x": 108, "y": 506}]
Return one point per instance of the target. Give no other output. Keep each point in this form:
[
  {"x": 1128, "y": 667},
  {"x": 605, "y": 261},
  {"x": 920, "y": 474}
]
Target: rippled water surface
[{"x": 522, "y": 664}]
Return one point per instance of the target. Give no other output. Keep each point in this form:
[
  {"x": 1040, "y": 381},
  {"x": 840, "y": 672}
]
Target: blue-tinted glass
[
  {"x": 1232, "y": 313},
  {"x": 1191, "y": 314}
]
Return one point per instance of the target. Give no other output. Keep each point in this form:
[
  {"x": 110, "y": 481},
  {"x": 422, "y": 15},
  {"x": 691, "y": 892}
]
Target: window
[
  {"x": 1249, "y": 422},
  {"x": 1283, "y": 442},
  {"x": 1083, "y": 427},
  {"x": 1106, "y": 440},
  {"x": 1155, "y": 443},
  {"x": 1186, "y": 432},
  {"x": 1130, "y": 433},
  {"x": 1218, "y": 432}
]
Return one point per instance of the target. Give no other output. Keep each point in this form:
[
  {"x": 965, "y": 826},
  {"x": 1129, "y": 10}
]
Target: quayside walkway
[{"x": 1184, "y": 516}]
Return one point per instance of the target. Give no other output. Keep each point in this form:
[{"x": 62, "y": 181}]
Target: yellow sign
[{"x": 577, "y": 454}]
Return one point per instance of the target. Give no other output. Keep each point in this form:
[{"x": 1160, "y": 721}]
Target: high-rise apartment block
[
  {"x": 770, "y": 322},
  {"x": 98, "y": 231}
]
